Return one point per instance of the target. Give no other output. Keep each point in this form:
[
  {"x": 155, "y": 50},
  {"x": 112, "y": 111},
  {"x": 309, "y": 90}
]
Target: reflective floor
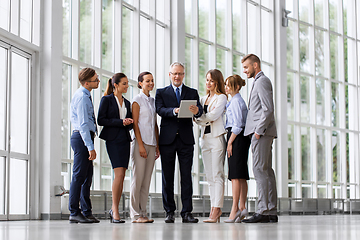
[{"x": 289, "y": 227}]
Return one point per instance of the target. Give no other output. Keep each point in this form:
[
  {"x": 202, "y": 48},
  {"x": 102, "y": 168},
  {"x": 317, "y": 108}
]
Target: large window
[
  {"x": 15, "y": 132},
  {"x": 322, "y": 69},
  {"x": 19, "y": 39},
  {"x": 218, "y": 36},
  {"x": 21, "y": 18},
  {"x": 101, "y": 34}
]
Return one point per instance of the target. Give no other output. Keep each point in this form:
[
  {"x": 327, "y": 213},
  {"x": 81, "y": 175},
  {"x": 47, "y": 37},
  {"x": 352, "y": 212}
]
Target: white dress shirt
[
  {"x": 147, "y": 117},
  {"x": 122, "y": 109}
]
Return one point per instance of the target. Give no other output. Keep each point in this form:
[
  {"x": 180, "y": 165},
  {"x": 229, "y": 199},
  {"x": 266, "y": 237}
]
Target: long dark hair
[{"x": 114, "y": 79}]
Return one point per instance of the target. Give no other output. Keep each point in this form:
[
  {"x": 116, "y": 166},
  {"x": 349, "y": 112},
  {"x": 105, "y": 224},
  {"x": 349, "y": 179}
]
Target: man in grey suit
[{"x": 260, "y": 126}]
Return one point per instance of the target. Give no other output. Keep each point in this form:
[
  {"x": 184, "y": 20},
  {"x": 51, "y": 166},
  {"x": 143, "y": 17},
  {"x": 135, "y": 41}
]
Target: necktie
[
  {"x": 178, "y": 95},
  {"x": 93, "y": 116}
]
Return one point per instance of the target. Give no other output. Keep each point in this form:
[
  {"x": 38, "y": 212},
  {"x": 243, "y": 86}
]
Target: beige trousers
[{"x": 142, "y": 171}]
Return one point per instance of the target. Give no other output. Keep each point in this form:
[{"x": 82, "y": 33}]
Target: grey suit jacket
[{"x": 260, "y": 118}]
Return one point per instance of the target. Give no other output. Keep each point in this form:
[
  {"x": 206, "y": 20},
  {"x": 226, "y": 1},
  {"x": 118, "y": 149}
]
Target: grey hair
[{"x": 176, "y": 64}]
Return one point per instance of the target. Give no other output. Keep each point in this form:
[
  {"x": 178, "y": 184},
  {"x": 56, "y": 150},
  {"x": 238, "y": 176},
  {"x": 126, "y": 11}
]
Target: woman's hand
[
  {"x": 229, "y": 149},
  {"x": 142, "y": 151},
  {"x": 157, "y": 152},
  {"x": 127, "y": 121}
]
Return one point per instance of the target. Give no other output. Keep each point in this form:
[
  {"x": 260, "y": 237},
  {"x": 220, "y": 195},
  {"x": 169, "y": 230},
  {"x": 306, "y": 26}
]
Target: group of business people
[{"x": 175, "y": 138}]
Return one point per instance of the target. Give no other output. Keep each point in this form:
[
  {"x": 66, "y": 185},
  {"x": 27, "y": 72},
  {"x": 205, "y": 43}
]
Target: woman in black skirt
[
  {"x": 237, "y": 147},
  {"x": 115, "y": 116}
]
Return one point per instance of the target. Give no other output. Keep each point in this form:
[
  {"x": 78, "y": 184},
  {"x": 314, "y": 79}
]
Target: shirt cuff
[
  {"x": 197, "y": 115},
  {"x": 90, "y": 147},
  {"x": 236, "y": 130},
  {"x": 175, "y": 114}
]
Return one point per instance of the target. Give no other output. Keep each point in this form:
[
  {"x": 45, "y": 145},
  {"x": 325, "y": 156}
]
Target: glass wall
[
  {"x": 217, "y": 36},
  {"x": 15, "y": 132},
  {"x": 21, "y": 18},
  {"x": 20, "y": 35},
  {"x": 101, "y": 35},
  {"x": 322, "y": 68}
]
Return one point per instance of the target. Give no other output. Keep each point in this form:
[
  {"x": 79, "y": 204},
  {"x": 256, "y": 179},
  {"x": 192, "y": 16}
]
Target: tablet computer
[{"x": 184, "y": 111}]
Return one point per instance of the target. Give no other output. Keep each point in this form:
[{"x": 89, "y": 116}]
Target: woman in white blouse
[
  {"x": 145, "y": 149},
  {"x": 212, "y": 140}
]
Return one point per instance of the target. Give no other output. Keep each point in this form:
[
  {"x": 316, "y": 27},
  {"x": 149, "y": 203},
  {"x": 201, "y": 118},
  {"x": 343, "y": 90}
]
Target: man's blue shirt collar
[
  {"x": 180, "y": 87},
  {"x": 84, "y": 90}
]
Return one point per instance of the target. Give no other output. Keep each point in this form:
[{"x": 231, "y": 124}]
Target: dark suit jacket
[
  {"x": 109, "y": 117},
  {"x": 165, "y": 102}
]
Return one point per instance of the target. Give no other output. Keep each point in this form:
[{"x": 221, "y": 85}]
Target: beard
[{"x": 251, "y": 74}]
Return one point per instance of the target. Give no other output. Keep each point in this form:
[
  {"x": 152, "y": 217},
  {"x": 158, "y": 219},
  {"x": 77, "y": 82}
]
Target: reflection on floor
[{"x": 289, "y": 227}]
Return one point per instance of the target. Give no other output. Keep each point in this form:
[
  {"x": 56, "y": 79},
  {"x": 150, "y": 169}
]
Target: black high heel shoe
[{"x": 112, "y": 220}]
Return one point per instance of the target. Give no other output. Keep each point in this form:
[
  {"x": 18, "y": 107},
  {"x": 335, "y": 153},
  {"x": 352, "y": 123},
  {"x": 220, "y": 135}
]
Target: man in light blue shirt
[{"x": 82, "y": 142}]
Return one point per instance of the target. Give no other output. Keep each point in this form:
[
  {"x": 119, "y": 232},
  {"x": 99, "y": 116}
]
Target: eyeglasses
[{"x": 177, "y": 74}]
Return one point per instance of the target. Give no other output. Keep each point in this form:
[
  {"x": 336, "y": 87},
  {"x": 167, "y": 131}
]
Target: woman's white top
[
  {"x": 122, "y": 109},
  {"x": 215, "y": 115},
  {"x": 147, "y": 118}
]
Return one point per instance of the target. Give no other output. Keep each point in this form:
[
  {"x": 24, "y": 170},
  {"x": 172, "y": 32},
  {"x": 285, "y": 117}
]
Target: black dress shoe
[
  {"x": 257, "y": 218},
  {"x": 91, "y": 217},
  {"x": 112, "y": 220},
  {"x": 188, "y": 218},
  {"x": 273, "y": 218},
  {"x": 170, "y": 218},
  {"x": 80, "y": 219}
]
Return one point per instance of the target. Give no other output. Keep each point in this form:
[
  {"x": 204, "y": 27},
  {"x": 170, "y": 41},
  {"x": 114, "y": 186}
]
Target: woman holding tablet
[{"x": 212, "y": 140}]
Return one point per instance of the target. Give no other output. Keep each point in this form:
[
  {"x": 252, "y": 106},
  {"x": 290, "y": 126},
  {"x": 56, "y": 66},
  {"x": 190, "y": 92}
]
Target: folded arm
[{"x": 216, "y": 112}]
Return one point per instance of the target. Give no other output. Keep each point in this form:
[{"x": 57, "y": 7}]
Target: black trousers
[
  {"x": 185, "y": 154},
  {"x": 81, "y": 178}
]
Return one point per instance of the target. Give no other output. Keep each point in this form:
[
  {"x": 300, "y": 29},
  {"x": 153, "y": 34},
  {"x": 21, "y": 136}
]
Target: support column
[
  {"x": 281, "y": 158},
  {"x": 50, "y": 109},
  {"x": 178, "y": 31}
]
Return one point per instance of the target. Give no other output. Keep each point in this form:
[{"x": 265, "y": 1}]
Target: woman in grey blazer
[{"x": 212, "y": 140}]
